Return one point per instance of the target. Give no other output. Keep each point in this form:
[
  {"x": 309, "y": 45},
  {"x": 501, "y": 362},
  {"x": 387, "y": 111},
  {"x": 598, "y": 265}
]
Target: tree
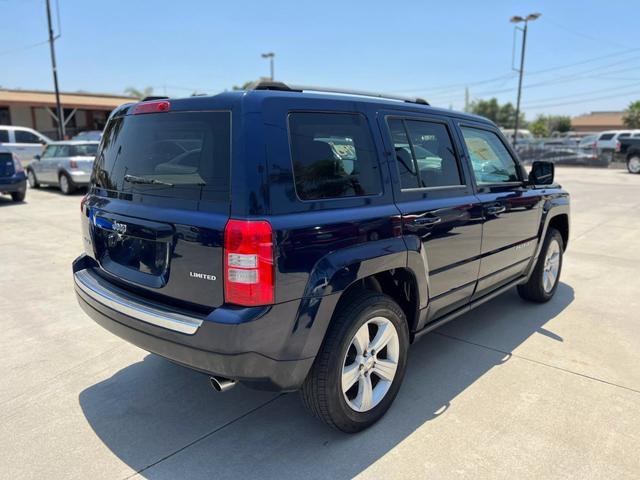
[
  {"x": 631, "y": 117},
  {"x": 545, "y": 125},
  {"x": 134, "y": 92},
  {"x": 503, "y": 115},
  {"x": 244, "y": 86}
]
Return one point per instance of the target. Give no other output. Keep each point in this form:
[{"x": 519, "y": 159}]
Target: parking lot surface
[{"x": 510, "y": 390}]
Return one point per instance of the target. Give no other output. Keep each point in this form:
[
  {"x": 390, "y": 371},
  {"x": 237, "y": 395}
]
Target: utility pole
[
  {"x": 526, "y": 20},
  {"x": 59, "y": 110},
  {"x": 466, "y": 99},
  {"x": 270, "y": 56}
]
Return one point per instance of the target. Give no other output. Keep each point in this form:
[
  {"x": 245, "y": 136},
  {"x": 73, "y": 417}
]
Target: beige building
[
  {"x": 37, "y": 110},
  {"x": 597, "y": 122}
]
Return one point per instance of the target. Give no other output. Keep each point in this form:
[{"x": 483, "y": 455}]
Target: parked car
[
  {"x": 588, "y": 150},
  {"x": 347, "y": 227},
  {"x": 12, "y": 179},
  {"x": 89, "y": 135},
  {"x": 628, "y": 150},
  {"x": 25, "y": 142},
  {"x": 65, "y": 164},
  {"x": 607, "y": 140}
]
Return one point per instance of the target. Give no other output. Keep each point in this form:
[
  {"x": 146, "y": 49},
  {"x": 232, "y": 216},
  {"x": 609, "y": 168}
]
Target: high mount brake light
[
  {"x": 151, "y": 107},
  {"x": 248, "y": 263}
]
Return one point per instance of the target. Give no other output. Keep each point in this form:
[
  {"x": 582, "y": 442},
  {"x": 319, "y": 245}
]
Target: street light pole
[
  {"x": 526, "y": 20},
  {"x": 270, "y": 56},
  {"x": 59, "y": 110}
]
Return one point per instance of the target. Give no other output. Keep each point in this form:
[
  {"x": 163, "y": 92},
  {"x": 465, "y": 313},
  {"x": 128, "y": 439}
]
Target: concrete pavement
[{"x": 511, "y": 390}]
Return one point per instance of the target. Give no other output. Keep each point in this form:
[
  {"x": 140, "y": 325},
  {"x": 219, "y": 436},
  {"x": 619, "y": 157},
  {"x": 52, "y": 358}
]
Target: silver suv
[
  {"x": 24, "y": 142},
  {"x": 66, "y": 164}
]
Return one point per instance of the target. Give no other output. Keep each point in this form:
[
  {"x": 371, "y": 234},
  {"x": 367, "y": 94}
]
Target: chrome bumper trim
[{"x": 119, "y": 301}]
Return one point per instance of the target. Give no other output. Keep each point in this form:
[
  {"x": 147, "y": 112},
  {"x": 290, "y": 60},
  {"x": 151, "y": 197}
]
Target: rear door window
[
  {"x": 333, "y": 156},
  {"x": 425, "y": 156},
  {"x": 23, "y": 136},
  {"x": 84, "y": 150},
  {"x": 183, "y": 155}
]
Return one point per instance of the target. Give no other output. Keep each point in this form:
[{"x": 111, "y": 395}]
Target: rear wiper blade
[{"x": 150, "y": 181}]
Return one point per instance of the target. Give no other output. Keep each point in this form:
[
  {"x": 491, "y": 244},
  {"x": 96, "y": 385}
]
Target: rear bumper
[
  {"x": 264, "y": 347},
  {"x": 79, "y": 177},
  {"x": 16, "y": 183}
]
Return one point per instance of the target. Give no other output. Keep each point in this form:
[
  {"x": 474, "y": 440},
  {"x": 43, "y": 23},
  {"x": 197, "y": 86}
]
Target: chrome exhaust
[{"x": 221, "y": 384}]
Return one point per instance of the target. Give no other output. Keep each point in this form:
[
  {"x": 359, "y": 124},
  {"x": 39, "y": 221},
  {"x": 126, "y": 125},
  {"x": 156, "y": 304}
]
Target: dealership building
[{"x": 37, "y": 110}]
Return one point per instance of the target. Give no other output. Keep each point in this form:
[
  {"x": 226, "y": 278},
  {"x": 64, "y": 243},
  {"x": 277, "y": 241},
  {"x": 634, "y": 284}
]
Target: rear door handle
[
  {"x": 497, "y": 210},
  {"x": 427, "y": 220}
]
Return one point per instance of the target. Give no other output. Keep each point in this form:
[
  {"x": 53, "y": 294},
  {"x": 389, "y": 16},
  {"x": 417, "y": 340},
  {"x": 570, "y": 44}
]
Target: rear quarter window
[
  {"x": 606, "y": 136},
  {"x": 333, "y": 156}
]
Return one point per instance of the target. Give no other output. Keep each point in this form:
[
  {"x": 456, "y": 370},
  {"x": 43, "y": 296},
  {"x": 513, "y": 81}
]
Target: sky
[{"x": 581, "y": 56}]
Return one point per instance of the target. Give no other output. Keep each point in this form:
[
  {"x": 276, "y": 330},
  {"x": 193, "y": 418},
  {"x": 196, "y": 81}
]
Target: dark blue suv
[
  {"x": 293, "y": 240},
  {"x": 13, "y": 180}
]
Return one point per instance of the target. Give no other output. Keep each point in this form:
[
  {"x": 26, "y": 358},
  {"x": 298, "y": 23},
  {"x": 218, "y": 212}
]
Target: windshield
[{"x": 179, "y": 155}]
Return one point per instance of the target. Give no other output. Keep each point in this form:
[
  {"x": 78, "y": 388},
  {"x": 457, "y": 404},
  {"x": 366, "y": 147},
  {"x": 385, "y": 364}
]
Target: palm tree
[{"x": 134, "y": 92}]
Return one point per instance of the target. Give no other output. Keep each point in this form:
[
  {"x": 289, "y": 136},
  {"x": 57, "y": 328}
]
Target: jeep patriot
[{"x": 291, "y": 239}]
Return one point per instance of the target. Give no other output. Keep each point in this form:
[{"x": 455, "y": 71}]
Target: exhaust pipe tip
[{"x": 221, "y": 384}]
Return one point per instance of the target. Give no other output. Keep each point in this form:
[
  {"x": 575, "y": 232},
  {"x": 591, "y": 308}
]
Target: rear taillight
[
  {"x": 618, "y": 146},
  {"x": 17, "y": 165},
  {"x": 248, "y": 262},
  {"x": 151, "y": 107},
  {"x": 594, "y": 144},
  {"x": 73, "y": 164}
]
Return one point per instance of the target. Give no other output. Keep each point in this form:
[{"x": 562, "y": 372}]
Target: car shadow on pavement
[
  {"x": 165, "y": 421},
  {"x": 9, "y": 202}
]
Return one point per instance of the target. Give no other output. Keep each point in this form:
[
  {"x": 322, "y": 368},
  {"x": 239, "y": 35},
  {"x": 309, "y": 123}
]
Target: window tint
[
  {"x": 490, "y": 159},
  {"x": 63, "y": 151},
  {"x": 624, "y": 135},
  {"x": 186, "y": 154},
  {"x": 4, "y": 136},
  {"x": 424, "y": 154},
  {"x": 333, "y": 156},
  {"x": 606, "y": 136},
  {"x": 23, "y": 136}
]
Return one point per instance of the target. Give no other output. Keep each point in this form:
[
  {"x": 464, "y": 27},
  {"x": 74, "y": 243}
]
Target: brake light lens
[
  {"x": 151, "y": 107},
  {"x": 618, "y": 146},
  {"x": 73, "y": 164},
  {"x": 248, "y": 263},
  {"x": 17, "y": 165}
]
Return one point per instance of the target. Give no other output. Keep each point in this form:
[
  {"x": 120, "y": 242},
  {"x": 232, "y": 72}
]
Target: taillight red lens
[
  {"x": 618, "y": 146},
  {"x": 151, "y": 107},
  {"x": 73, "y": 164},
  {"x": 17, "y": 165},
  {"x": 248, "y": 263}
]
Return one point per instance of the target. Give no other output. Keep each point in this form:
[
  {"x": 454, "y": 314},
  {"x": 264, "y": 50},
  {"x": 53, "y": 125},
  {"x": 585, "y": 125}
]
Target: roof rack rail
[{"x": 269, "y": 85}]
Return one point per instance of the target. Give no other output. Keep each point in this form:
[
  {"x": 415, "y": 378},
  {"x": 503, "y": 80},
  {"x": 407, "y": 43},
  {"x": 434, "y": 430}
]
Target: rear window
[
  {"x": 87, "y": 150},
  {"x": 606, "y": 136},
  {"x": 333, "y": 156},
  {"x": 178, "y": 155}
]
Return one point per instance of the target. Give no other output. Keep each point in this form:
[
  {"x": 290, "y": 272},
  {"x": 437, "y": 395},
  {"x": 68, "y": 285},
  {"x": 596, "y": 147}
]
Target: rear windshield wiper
[{"x": 150, "y": 181}]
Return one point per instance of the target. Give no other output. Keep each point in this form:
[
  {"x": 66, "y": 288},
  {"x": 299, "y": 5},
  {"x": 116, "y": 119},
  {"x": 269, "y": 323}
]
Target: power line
[
  {"x": 582, "y": 100},
  {"x": 23, "y": 48}
]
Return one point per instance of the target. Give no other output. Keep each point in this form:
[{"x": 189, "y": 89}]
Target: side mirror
[
  {"x": 37, "y": 157},
  {"x": 542, "y": 173}
]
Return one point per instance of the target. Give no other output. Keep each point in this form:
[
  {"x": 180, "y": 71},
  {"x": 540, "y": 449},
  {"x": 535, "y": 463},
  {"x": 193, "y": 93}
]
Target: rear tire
[
  {"x": 66, "y": 185},
  {"x": 633, "y": 164},
  {"x": 18, "y": 196},
  {"x": 351, "y": 385},
  {"x": 31, "y": 178},
  {"x": 544, "y": 280}
]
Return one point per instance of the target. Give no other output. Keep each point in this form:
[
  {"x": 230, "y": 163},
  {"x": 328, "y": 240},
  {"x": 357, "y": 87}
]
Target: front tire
[
  {"x": 359, "y": 369},
  {"x": 633, "y": 164},
  {"x": 66, "y": 185},
  {"x": 543, "y": 283}
]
